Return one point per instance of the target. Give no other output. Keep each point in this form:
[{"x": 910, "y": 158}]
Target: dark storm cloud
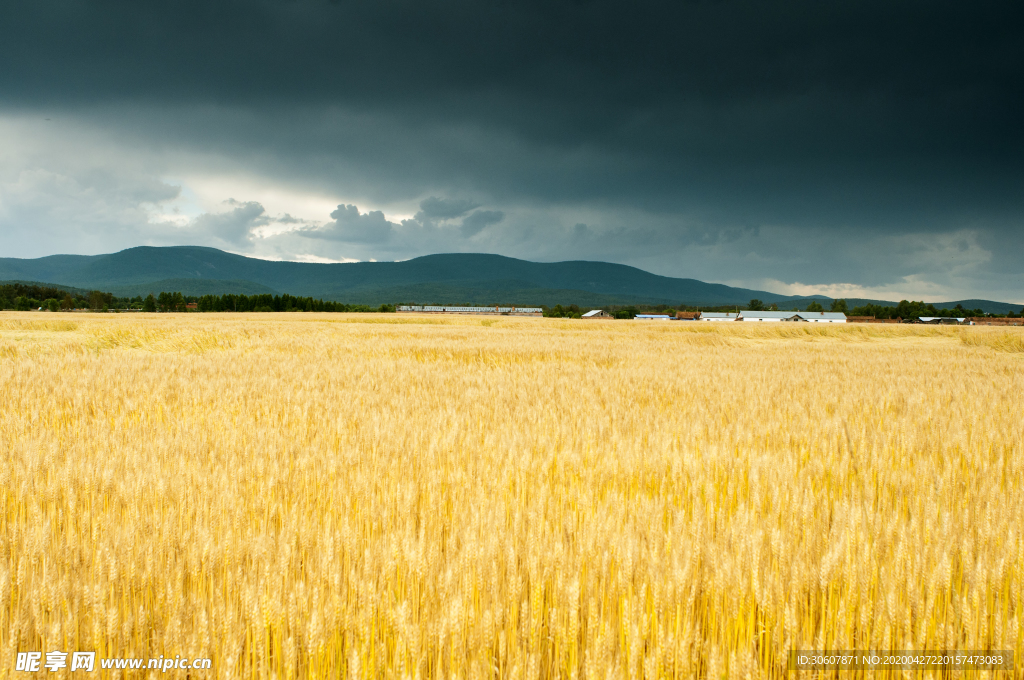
[
  {"x": 474, "y": 223},
  {"x": 435, "y": 208},
  {"x": 712, "y": 124},
  {"x": 720, "y": 80},
  {"x": 435, "y": 212}
]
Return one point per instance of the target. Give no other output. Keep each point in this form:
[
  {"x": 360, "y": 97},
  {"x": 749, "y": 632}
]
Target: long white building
[
  {"x": 809, "y": 317},
  {"x": 822, "y": 317},
  {"x": 775, "y": 317},
  {"x": 445, "y": 309},
  {"x": 768, "y": 316}
]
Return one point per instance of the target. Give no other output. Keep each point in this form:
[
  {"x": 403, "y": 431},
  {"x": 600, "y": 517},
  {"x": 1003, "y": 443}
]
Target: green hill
[
  {"x": 435, "y": 278},
  {"x": 446, "y": 278}
]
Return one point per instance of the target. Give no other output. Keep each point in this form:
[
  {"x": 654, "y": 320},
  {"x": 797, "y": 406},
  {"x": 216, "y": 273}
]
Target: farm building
[
  {"x": 871, "y": 319},
  {"x": 597, "y": 314},
  {"x": 771, "y": 317},
  {"x": 687, "y": 316},
  {"x": 441, "y": 309},
  {"x": 943, "y": 320},
  {"x": 822, "y": 317},
  {"x": 768, "y": 316},
  {"x": 653, "y": 317},
  {"x": 986, "y": 321}
]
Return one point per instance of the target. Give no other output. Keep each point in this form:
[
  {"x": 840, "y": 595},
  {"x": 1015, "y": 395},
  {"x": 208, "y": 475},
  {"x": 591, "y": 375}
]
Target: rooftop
[
  {"x": 821, "y": 315},
  {"x": 768, "y": 315}
]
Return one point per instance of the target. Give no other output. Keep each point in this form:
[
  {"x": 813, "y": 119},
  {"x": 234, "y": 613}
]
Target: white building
[
  {"x": 944, "y": 320},
  {"x": 653, "y": 317},
  {"x": 718, "y": 316},
  {"x": 810, "y": 317},
  {"x": 597, "y": 314},
  {"x": 768, "y": 316},
  {"x": 822, "y": 317},
  {"x": 505, "y": 311}
]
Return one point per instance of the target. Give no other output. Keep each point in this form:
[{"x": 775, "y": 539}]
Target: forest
[{"x": 27, "y": 296}]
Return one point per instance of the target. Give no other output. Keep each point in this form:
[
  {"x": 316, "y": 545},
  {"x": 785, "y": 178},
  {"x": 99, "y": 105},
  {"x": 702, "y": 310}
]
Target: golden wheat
[{"x": 383, "y": 496}]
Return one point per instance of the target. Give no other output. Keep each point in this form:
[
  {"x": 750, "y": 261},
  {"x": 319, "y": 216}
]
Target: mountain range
[{"x": 443, "y": 279}]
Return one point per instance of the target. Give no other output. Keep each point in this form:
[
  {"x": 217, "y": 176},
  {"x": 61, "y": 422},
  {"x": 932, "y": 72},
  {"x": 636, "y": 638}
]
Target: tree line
[
  {"x": 912, "y": 310},
  {"x": 23, "y": 297},
  {"x": 26, "y": 296},
  {"x": 903, "y": 310}
]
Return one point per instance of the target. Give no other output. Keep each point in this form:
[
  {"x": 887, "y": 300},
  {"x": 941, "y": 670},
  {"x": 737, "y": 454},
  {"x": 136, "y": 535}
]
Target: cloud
[
  {"x": 741, "y": 140},
  {"x": 351, "y": 226},
  {"x": 434, "y": 208},
  {"x": 475, "y": 222},
  {"x": 907, "y": 288},
  {"x": 435, "y": 220},
  {"x": 288, "y": 219},
  {"x": 920, "y": 266},
  {"x": 47, "y": 210},
  {"x": 236, "y": 226}
]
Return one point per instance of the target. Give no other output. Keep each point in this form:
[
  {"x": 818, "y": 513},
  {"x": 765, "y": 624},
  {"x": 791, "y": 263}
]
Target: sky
[{"x": 860, "y": 148}]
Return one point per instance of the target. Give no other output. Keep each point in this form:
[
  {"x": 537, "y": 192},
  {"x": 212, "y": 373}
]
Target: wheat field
[{"x": 382, "y": 496}]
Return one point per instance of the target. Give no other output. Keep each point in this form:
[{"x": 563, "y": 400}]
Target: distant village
[
  {"x": 21, "y": 296},
  {"x": 749, "y": 316}
]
